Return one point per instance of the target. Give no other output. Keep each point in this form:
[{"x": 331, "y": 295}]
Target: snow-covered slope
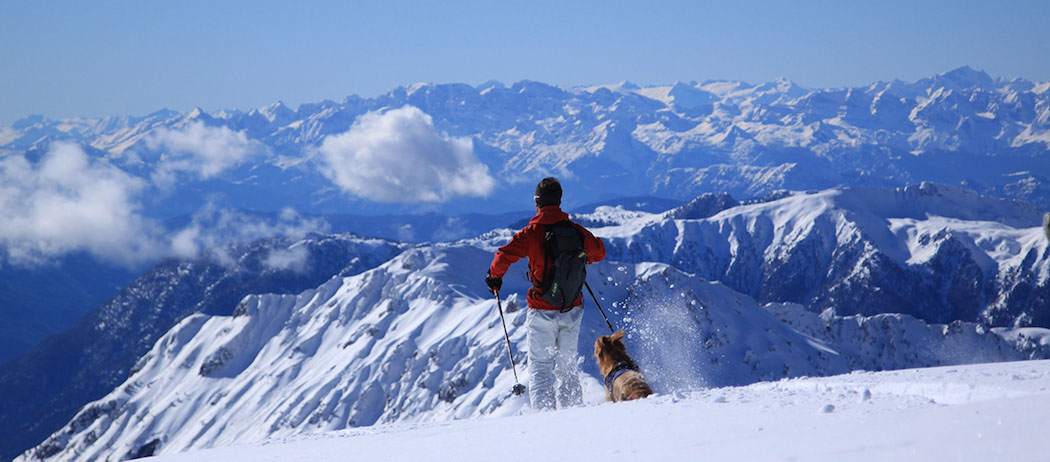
[
  {"x": 980, "y": 412},
  {"x": 935, "y": 252},
  {"x": 44, "y": 388},
  {"x": 418, "y": 340}
]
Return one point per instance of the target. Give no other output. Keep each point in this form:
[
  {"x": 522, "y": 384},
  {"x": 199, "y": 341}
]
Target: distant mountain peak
[
  {"x": 535, "y": 87},
  {"x": 628, "y": 85},
  {"x": 276, "y": 105},
  {"x": 686, "y": 95},
  {"x": 163, "y": 113},
  {"x": 966, "y": 77},
  {"x": 28, "y": 121},
  {"x": 488, "y": 85},
  {"x": 623, "y": 86},
  {"x": 278, "y": 112},
  {"x": 415, "y": 87}
]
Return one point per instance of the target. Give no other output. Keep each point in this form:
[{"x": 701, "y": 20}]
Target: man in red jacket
[{"x": 553, "y": 331}]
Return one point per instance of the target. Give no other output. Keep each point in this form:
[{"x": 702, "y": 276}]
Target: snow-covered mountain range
[
  {"x": 935, "y": 252},
  {"x": 417, "y": 338},
  {"x": 961, "y": 127}
]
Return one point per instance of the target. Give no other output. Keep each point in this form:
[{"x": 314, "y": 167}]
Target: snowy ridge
[
  {"x": 46, "y": 387},
  {"x": 383, "y": 345},
  {"x": 935, "y": 252},
  {"x": 895, "y": 341},
  {"x": 418, "y": 340}
]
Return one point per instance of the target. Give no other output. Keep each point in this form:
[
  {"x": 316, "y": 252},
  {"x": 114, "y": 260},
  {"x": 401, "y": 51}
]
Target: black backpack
[{"x": 566, "y": 269}]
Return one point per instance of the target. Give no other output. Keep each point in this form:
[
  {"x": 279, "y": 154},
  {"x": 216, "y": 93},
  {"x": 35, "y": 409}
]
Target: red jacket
[{"x": 529, "y": 243}]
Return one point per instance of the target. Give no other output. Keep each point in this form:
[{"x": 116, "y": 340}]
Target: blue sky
[{"x": 73, "y": 58}]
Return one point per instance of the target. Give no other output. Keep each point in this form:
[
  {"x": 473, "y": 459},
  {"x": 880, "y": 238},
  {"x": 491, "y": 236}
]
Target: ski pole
[
  {"x": 518, "y": 387},
  {"x": 600, "y": 310}
]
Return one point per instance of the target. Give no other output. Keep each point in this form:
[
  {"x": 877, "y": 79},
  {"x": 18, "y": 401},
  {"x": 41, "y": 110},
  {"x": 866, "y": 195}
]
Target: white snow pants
[{"x": 553, "y": 338}]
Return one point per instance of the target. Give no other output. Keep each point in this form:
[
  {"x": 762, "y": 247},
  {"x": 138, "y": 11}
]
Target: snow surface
[{"x": 977, "y": 412}]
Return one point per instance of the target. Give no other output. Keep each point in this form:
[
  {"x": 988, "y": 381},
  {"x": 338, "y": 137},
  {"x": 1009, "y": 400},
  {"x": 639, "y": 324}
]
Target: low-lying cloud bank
[
  {"x": 68, "y": 202},
  {"x": 200, "y": 150},
  {"x": 212, "y": 227},
  {"x": 71, "y": 202},
  {"x": 398, "y": 156}
]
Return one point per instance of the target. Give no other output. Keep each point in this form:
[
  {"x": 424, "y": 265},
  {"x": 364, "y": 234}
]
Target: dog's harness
[{"x": 617, "y": 371}]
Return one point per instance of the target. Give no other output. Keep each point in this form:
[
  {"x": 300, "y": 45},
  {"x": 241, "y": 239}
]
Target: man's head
[{"x": 548, "y": 192}]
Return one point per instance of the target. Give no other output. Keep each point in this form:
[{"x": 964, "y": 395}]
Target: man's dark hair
[{"x": 548, "y": 192}]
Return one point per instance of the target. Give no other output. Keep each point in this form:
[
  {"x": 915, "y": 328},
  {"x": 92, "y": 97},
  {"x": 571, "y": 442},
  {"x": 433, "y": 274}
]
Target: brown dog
[{"x": 623, "y": 381}]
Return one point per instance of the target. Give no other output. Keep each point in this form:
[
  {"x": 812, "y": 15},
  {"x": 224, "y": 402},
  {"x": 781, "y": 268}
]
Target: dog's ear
[{"x": 616, "y": 337}]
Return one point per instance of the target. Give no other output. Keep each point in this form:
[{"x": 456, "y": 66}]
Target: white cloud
[
  {"x": 69, "y": 202},
  {"x": 294, "y": 258},
  {"x": 453, "y": 228},
  {"x": 398, "y": 156},
  {"x": 212, "y": 227},
  {"x": 201, "y": 150}
]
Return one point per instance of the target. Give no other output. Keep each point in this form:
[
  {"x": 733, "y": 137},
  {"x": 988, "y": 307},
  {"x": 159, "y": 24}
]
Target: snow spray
[{"x": 665, "y": 336}]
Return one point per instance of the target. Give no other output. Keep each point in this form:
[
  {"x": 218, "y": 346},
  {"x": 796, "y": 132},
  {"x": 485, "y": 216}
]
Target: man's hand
[{"x": 495, "y": 284}]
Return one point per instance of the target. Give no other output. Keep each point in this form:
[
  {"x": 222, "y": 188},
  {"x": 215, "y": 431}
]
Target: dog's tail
[{"x": 1046, "y": 225}]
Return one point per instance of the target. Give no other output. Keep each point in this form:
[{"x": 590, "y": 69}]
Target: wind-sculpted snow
[
  {"x": 418, "y": 339},
  {"x": 934, "y": 252}
]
